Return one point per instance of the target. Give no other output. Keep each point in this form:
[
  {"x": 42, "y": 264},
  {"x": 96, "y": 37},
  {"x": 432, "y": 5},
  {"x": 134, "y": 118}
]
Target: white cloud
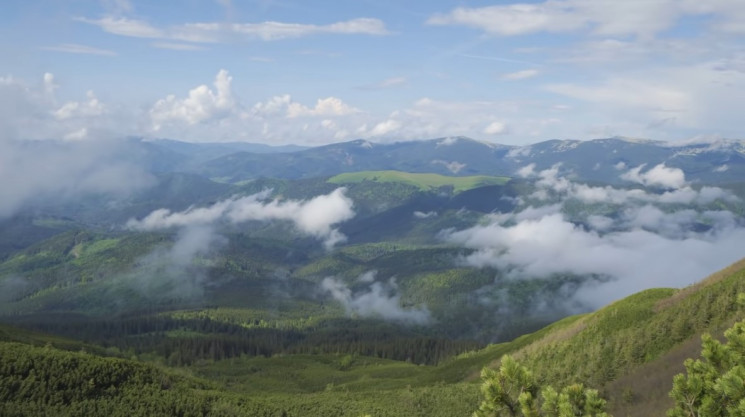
[
  {"x": 423, "y": 215},
  {"x": 202, "y": 104},
  {"x": 513, "y": 19},
  {"x": 74, "y": 48},
  {"x": 330, "y": 106},
  {"x": 599, "y": 17},
  {"x": 428, "y": 118},
  {"x": 269, "y": 31},
  {"x": 315, "y": 217},
  {"x": 125, "y": 27},
  {"x": 384, "y": 128},
  {"x": 273, "y": 106},
  {"x": 71, "y": 109},
  {"x": 452, "y": 166},
  {"x": 44, "y": 171},
  {"x": 646, "y": 247},
  {"x": 205, "y": 32},
  {"x": 652, "y": 242},
  {"x": 495, "y": 128},
  {"x": 169, "y": 273},
  {"x": 379, "y": 300},
  {"x": 448, "y": 141},
  {"x": 30, "y": 111},
  {"x": 635, "y": 259},
  {"x": 284, "y": 106},
  {"x": 660, "y": 175},
  {"x": 551, "y": 185},
  {"x": 521, "y": 75}
]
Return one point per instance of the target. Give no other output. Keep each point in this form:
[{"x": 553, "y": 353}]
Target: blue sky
[{"x": 314, "y": 72}]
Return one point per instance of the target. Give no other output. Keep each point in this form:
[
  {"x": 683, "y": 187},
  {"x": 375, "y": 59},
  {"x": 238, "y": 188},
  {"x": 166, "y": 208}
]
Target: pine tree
[
  {"x": 714, "y": 385},
  {"x": 512, "y": 391}
]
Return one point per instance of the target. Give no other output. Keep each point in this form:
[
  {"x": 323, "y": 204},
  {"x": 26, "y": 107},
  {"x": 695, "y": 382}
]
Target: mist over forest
[{"x": 286, "y": 208}]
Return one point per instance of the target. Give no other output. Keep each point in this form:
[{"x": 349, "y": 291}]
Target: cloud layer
[
  {"x": 315, "y": 217},
  {"x": 646, "y": 240},
  {"x": 46, "y": 171}
]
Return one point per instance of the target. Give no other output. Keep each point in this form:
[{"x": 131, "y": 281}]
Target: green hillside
[
  {"x": 421, "y": 181},
  {"x": 629, "y": 350}
]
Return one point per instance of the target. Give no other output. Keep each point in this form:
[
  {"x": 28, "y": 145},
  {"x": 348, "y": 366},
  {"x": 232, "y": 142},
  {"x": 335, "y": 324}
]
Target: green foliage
[
  {"x": 46, "y": 381},
  {"x": 713, "y": 386},
  {"x": 513, "y": 391},
  {"x": 633, "y": 331}
]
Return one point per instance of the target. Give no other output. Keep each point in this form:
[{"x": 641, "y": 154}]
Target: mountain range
[{"x": 601, "y": 160}]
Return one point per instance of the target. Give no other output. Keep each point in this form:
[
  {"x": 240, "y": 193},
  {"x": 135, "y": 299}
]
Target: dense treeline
[
  {"x": 183, "y": 341},
  {"x": 46, "y": 381}
]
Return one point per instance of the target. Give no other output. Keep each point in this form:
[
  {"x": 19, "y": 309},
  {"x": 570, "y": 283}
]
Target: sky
[{"x": 315, "y": 72}]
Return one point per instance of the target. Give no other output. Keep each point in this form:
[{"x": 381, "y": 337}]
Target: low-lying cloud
[
  {"x": 376, "y": 299},
  {"x": 171, "y": 273},
  {"x": 41, "y": 171},
  {"x": 315, "y": 217},
  {"x": 648, "y": 240},
  {"x": 659, "y": 175}
]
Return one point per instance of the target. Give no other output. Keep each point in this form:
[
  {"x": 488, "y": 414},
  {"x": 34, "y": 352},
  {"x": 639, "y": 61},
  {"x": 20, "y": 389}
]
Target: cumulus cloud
[
  {"x": 285, "y": 106},
  {"x": 202, "y": 104},
  {"x": 315, "y": 217},
  {"x": 378, "y": 299},
  {"x": 427, "y": 118},
  {"x": 660, "y": 175},
  {"x": 495, "y": 128},
  {"x": 644, "y": 242},
  {"x": 552, "y": 185},
  {"x": 30, "y": 111},
  {"x": 385, "y": 128},
  {"x": 330, "y": 106},
  {"x": 91, "y": 107}
]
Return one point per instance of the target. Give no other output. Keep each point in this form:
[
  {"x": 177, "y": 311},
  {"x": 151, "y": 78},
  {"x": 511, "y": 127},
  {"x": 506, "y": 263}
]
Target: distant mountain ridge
[{"x": 601, "y": 160}]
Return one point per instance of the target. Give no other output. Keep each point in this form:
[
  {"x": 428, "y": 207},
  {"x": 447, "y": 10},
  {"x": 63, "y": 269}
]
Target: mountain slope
[{"x": 629, "y": 349}]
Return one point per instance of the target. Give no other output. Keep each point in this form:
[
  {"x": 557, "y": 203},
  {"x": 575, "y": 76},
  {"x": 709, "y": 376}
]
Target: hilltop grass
[{"x": 423, "y": 182}]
